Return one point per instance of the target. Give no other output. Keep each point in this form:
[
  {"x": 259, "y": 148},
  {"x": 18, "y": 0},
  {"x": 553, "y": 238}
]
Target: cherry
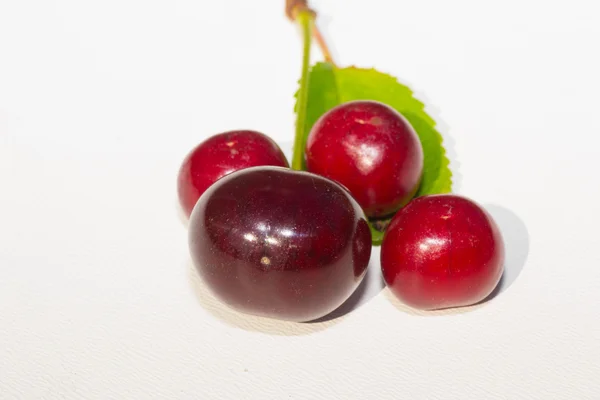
[
  {"x": 279, "y": 243},
  {"x": 221, "y": 155},
  {"x": 442, "y": 251},
  {"x": 371, "y": 149}
]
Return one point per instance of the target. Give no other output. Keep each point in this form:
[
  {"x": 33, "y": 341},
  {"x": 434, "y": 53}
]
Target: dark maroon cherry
[
  {"x": 279, "y": 243},
  {"x": 372, "y": 150},
  {"x": 221, "y": 155},
  {"x": 442, "y": 251}
]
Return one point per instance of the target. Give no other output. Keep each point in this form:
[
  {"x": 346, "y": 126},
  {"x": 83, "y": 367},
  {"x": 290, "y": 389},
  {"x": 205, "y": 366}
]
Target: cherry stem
[
  {"x": 305, "y": 19},
  {"x": 292, "y": 9},
  {"x": 322, "y": 45}
]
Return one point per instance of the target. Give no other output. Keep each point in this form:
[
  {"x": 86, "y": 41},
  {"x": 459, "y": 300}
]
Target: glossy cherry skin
[
  {"x": 279, "y": 243},
  {"x": 221, "y": 155},
  {"x": 442, "y": 251},
  {"x": 372, "y": 150}
]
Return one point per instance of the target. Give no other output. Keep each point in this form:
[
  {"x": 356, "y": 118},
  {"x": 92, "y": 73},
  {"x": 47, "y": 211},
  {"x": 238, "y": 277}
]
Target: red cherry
[
  {"x": 221, "y": 155},
  {"x": 372, "y": 150},
  {"x": 279, "y": 243},
  {"x": 442, "y": 251}
]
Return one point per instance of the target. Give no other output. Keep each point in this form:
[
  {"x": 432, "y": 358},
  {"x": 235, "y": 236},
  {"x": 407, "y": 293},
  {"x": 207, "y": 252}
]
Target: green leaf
[{"x": 330, "y": 86}]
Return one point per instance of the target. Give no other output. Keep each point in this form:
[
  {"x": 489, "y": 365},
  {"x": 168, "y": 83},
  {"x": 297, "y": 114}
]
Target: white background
[{"x": 100, "y": 101}]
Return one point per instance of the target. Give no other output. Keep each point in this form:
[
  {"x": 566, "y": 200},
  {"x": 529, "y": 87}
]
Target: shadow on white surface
[
  {"x": 245, "y": 321},
  {"x": 516, "y": 240},
  {"x": 371, "y": 285}
]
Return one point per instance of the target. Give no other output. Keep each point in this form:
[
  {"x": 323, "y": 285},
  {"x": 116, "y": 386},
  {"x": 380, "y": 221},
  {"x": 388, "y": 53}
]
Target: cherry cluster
[{"x": 295, "y": 244}]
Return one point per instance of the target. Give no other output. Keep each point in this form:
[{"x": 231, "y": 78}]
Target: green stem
[
  {"x": 305, "y": 19},
  {"x": 376, "y": 235}
]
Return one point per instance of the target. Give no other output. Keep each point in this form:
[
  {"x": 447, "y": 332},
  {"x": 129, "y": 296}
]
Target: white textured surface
[{"x": 99, "y": 102}]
